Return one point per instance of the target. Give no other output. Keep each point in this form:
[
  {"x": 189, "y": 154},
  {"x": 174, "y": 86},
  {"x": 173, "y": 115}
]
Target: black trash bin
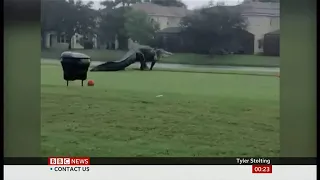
[{"x": 75, "y": 66}]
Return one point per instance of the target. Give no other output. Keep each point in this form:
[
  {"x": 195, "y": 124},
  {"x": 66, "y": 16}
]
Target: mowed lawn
[{"x": 199, "y": 114}]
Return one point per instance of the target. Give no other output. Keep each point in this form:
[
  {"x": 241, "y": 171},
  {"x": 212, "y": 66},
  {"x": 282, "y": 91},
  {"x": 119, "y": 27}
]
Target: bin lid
[{"x": 75, "y": 55}]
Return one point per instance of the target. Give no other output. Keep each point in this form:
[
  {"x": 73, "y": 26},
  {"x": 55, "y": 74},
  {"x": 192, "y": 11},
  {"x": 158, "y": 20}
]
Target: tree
[
  {"x": 113, "y": 20},
  {"x": 108, "y": 4},
  {"x": 269, "y": 0},
  {"x": 79, "y": 19},
  {"x": 50, "y": 19},
  {"x": 123, "y": 3},
  {"x": 111, "y": 25},
  {"x": 139, "y": 27},
  {"x": 210, "y": 29},
  {"x": 211, "y": 3},
  {"x": 68, "y": 17},
  {"x": 176, "y": 3}
]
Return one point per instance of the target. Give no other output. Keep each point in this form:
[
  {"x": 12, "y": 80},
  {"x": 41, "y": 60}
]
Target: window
[
  {"x": 260, "y": 43},
  {"x": 62, "y": 38},
  {"x": 58, "y": 39}
]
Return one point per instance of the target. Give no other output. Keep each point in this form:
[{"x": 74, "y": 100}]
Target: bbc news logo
[{"x": 72, "y": 161}]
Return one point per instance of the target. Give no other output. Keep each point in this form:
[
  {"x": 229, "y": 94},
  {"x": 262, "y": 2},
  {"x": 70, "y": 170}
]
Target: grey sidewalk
[{"x": 185, "y": 67}]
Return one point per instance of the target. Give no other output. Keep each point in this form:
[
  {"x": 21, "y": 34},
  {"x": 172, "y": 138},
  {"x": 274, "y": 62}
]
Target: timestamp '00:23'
[{"x": 261, "y": 169}]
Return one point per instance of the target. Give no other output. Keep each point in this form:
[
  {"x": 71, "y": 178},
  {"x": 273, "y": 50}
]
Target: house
[
  {"x": 165, "y": 16},
  {"x": 173, "y": 40},
  {"x": 53, "y": 40},
  {"x": 262, "y": 18}
]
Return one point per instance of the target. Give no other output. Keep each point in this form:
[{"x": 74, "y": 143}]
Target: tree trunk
[{"x": 43, "y": 40}]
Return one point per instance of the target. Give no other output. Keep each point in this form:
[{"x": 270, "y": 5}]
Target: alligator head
[{"x": 162, "y": 53}]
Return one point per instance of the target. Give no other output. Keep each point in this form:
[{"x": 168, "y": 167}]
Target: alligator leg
[
  {"x": 152, "y": 64},
  {"x": 67, "y": 83},
  {"x": 143, "y": 63}
]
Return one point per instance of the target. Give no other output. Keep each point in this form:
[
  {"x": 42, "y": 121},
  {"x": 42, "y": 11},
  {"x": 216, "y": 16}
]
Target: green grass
[
  {"x": 200, "y": 114},
  {"x": 226, "y": 60},
  {"x": 181, "y": 58}
]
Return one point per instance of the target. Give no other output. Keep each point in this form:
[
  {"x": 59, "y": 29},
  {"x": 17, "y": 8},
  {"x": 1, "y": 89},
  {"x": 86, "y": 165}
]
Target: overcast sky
[{"x": 190, "y": 3}]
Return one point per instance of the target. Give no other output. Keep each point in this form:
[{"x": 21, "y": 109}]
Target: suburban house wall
[
  {"x": 75, "y": 42},
  {"x": 259, "y": 26},
  {"x": 169, "y": 21},
  {"x": 275, "y": 23},
  {"x": 53, "y": 41},
  {"x": 164, "y": 16},
  {"x": 165, "y": 21},
  {"x": 261, "y": 18},
  {"x": 174, "y": 21}
]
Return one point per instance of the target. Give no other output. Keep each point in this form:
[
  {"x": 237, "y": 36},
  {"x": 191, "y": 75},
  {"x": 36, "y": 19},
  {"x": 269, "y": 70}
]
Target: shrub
[{"x": 88, "y": 45}]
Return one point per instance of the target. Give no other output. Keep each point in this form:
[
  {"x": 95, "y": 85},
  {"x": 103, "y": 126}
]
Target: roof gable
[
  {"x": 277, "y": 32},
  {"x": 255, "y": 8},
  {"x": 259, "y": 8},
  {"x": 154, "y": 9},
  {"x": 171, "y": 30}
]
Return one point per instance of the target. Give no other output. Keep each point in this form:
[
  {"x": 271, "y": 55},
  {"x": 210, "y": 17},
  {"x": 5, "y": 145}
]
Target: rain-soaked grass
[{"x": 198, "y": 114}]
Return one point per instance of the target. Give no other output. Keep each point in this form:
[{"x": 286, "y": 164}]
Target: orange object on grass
[{"x": 90, "y": 83}]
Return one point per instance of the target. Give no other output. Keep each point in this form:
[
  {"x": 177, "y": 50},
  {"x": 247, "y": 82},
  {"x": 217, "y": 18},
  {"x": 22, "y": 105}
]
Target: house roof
[
  {"x": 277, "y": 32},
  {"x": 157, "y": 10},
  {"x": 170, "y": 30},
  {"x": 230, "y": 8},
  {"x": 256, "y": 9},
  {"x": 260, "y": 8}
]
